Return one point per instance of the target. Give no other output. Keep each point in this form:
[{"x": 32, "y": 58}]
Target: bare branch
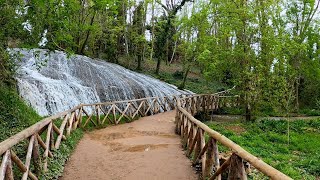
[
  {"x": 162, "y": 5},
  {"x": 309, "y": 19},
  {"x": 176, "y": 8}
]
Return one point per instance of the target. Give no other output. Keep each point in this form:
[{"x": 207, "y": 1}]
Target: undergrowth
[
  {"x": 56, "y": 164},
  {"x": 173, "y": 74},
  {"x": 299, "y": 158},
  {"x": 15, "y": 115},
  {"x": 310, "y": 112}
]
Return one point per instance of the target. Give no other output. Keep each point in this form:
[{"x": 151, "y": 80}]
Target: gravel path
[{"x": 147, "y": 148}]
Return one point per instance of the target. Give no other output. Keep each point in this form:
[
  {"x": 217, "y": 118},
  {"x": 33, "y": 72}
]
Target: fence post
[{"x": 236, "y": 171}]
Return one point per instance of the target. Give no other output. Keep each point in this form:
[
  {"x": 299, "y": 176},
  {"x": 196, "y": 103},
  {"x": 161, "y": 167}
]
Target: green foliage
[
  {"x": 56, "y": 164},
  {"x": 7, "y": 68},
  {"x": 15, "y": 115},
  {"x": 267, "y": 139},
  {"x": 248, "y": 44},
  {"x": 178, "y": 74},
  {"x": 10, "y": 32},
  {"x": 310, "y": 112}
]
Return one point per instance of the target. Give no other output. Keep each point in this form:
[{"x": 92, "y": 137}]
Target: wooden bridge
[{"x": 199, "y": 141}]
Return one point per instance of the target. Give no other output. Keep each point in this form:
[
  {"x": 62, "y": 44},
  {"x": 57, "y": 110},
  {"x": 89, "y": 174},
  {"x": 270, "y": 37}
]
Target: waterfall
[{"x": 53, "y": 82}]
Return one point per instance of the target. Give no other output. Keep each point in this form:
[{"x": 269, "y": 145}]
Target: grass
[
  {"x": 266, "y": 139},
  {"x": 15, "y": 115},
  {"x": 56, "y": 164}
]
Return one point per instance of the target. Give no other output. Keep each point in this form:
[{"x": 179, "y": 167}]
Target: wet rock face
[{"x": 52, "y": 82}]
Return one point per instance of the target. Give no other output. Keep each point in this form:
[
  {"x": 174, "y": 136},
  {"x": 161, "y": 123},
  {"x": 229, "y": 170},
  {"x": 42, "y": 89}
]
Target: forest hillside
[{"x": 268, "y": 50}]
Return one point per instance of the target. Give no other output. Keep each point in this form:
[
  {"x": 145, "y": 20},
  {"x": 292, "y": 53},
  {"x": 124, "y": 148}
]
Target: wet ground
[{"x": 144, "y": 149}]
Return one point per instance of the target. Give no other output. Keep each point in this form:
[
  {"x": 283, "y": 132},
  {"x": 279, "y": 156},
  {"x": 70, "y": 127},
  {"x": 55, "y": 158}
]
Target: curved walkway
[{"x": 147, "y": 148}]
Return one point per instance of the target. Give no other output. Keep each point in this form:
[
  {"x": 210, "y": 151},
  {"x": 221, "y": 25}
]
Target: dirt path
[{"x": 144, "y": 149}]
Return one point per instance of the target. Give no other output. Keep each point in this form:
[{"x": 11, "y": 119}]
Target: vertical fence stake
[{"x": 236, "y": 170}]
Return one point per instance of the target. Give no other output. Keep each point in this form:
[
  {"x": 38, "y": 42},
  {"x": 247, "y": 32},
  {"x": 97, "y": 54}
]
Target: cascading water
[{"x": 52, "y": 82}]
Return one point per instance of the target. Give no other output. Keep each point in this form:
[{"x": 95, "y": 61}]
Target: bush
[
  {"x": 178, "y": 74},
  {"x": 310, "y": 112}
]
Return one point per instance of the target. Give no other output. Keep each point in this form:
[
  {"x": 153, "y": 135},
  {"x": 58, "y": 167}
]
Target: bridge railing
[
  {"x": 114, "y": 112},
  {"x": 44, "y": 137},
  {"x": 207, "y": 102},
  {"x": 41, "y": 138},
  {"x": 201, "y": 142}
]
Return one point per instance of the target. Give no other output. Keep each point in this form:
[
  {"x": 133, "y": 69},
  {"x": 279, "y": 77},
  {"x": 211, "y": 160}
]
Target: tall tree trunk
[
  {"x": 244, "y": 62},
  {"x": 139, "y": 62},
  {"x": 185, "y": 75},
  {"x": 174, "y": 51},
  {"x": 158, "y": 65},
  {"x": 126, "y": 30},
  {"x": 167, "y": 51},
  {"x": 88, "y": 34},
  {"x": 80, "y": 22},
  {"x": 152, "y": 33},
  {"x": 297, "y": 92}
]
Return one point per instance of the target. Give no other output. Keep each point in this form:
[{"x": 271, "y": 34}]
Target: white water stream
[{"x": 53, "y": 82}]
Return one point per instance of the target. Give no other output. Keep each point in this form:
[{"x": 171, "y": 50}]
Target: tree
[
  {"x": 248, "y": 45},
  {"x": 11, "y": 34},
  {"x": 300, "y": 15},
  {"x": 137, "y": 35},
  {"x": 165, "y": 30}
]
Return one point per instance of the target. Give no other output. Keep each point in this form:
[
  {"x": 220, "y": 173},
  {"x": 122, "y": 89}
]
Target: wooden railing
[
  {"x": 201, "y": 142},
  {"x": 45, "y": 136},
  {"x": 207, "y": 102}
]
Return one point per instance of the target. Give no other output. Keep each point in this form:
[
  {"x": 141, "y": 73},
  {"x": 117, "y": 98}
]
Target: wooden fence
[
  {"x": 201, "y": 142},
  {"x": 45, "y": 137}
]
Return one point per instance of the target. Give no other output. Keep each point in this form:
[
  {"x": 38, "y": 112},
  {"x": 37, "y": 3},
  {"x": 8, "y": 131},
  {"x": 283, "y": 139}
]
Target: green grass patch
[
  {"x": 15, "y": 115},
  {"x": 299, "y": 158}
]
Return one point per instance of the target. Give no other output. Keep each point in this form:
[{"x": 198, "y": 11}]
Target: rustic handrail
[
  {"x": 47, "y": 135},
  {"x": 15, "y": 139},
  {"x": 132, "y": 100},
  {"x": 83, "y": 115},
  {"x": 192, "y": 132}
]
